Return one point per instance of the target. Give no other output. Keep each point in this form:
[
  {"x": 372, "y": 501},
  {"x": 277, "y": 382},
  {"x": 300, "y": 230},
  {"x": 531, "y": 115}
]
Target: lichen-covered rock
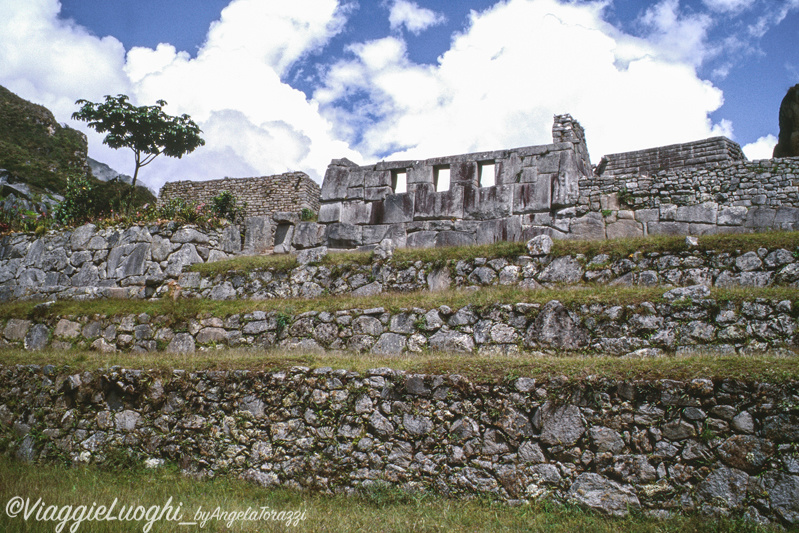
[{"x": 601, "y": 494}]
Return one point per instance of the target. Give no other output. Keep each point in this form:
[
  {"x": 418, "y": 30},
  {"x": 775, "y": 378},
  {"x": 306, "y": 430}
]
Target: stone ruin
[
  {"x": 504, "y": 195},
  {"x": 695, "y": 188}
]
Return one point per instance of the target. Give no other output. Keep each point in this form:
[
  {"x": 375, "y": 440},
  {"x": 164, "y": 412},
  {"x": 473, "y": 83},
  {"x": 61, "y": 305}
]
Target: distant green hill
[
  {"x": 41, "y": 153},
  {"x": 35, "y": 147}
]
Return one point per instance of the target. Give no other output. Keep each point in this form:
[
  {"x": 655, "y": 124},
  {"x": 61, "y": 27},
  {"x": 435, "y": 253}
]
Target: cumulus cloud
[
  {"x": 253, "y": 122},
  {"x": 503, "y": 79},
  {"x": 761, "y": 148},
  {"x": 55, "y": 62},
  {"x": 415, "y": 18}
]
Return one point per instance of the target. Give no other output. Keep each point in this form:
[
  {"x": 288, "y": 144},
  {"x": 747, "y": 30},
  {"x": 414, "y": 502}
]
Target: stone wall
[
  {"x": 90, "y": 262},
  {"x": 492, "y": 196},
  {"x": 679, "y": 320},
  {"x": 686, "y": 189},
  {"x": 290, "y": 192},
  {"x": 672, "y": 157},
  {"x": 766, "y": 267},
  {"x": 658, "y": 447}
]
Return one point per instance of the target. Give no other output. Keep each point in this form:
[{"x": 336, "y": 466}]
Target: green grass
[
  {"x": 483, "y": 369},
  {"x": 392, "y": 301},
  {"x": 615, "y": 248},
  {"x": 380, "y": 509}
]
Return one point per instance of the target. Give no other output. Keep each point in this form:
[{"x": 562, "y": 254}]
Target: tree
[{"x": 146, "y": 130}]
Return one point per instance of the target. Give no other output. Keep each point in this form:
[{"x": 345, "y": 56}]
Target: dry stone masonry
[
  {"x": 687, "y": 189},
  {"x": 656, "y": 447},
  {"x": 290, "y": 192},
  {"x": 474, "y": 198}
]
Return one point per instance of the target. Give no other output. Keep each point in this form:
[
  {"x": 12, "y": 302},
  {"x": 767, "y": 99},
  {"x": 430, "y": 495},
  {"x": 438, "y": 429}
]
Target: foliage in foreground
[{"x": 380, "y": 509}]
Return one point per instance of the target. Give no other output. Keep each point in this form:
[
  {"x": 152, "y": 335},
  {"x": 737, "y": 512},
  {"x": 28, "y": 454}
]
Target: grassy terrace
[
  {"x": 615, "y": 248},
  {"x": 486, "y": 296},
  {"x": 770, "y": 368},
  {"x": 383, "y": 509}
]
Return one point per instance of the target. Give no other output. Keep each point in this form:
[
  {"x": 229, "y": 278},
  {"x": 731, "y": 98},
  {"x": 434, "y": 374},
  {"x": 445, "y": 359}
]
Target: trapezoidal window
[
  {"x": 399, "y": 181},
  {"x": 441, "y": 178},
  {"x": 486, "y": 173}
]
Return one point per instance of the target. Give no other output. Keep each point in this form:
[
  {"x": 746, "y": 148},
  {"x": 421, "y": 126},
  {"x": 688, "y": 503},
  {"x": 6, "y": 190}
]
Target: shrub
[
  {"x": 77, "y": 204},
  {"x": 226, "y": 205}
]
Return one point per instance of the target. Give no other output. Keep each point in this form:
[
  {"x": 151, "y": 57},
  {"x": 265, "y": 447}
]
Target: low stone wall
[
  {"x": 658, "y": 447},
  {"x": 114, "y": 262},
  {"x": 686, "y": 319},
  {"x": 290, "y": 192},
  {"x": 766, "y": 267}
]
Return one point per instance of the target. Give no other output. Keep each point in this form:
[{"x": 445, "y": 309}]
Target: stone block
[
  {"x": 625, "y": 228},
  {"x": 547, "y": 163},
  {"x": 343, "y": 235},
  {"x": 786, "y": 217},
  {"x": 588, "y": 227},
  {"x": 509, "y": 170},
  {"x": 329, "y": 213},
  {"x": 732, "y": 215},
  {"x": 375, "y": 234},
  {"x": 566, "y": 188},
  {"x": 532, "y": 196},
  {"x": 702, "y": 229},
  {"x": 668, "y": 228},
  {"x": 398, "y": 208},
  {"x": 705, "y": 213},
  {"x": 356, "y": 213},
  {"x": 422, "y": 239},
  {"x": 454, "y": 238},
  {"x": 437, "y": 205},
  {"x": 529, "y": 175},
  {"x": 377, "y": 178},
  {"x": 230, "y": 241},
  {"x": 257, "y": 234},
  {"x": 463, "y": 173},
  {"x": 505, "y": 229},
  {"x": 609, "y": 202},
  {"x": 308, "y": 235},
  {"x": 376, "y": 193},
  {"x": 760, "y": 218},
  {"x": 336, "y": 182},
  {"x": 483, "y": 203}
]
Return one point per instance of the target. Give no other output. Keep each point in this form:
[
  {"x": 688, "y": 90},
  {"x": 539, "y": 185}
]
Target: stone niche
[{"x": 478, "y": 198}]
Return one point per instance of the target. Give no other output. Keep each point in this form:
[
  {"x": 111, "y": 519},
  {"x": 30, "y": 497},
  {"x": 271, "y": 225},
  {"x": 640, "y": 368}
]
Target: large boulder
[{"x": 788, "y": 142}]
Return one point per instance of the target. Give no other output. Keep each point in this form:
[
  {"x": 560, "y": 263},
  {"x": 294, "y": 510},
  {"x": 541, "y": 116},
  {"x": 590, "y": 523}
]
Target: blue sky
[{"x": 280, "y": 86}]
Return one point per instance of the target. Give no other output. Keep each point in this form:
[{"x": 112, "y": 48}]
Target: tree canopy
[{"x": 146, "y": 130}]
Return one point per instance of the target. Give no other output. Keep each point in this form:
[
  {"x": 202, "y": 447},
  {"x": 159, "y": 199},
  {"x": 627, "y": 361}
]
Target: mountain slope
[{"x": 35, "y": 147}]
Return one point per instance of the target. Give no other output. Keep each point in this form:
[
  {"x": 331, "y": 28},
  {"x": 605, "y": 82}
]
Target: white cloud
[
  {"x": 729, "y": 6},
  {"x": 415, "y": 18},
  {"x": 678, "y": 37},
  {"x": 761, "y": 148},
  {"x": 55, "y": 62},
  {"x": 253, "y": 122},
  {"x": 774, "y": 14},
  {"x": 503, "y": 79}
]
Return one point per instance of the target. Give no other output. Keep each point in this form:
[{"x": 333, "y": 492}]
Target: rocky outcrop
[
  {"x": 788, "y": 140},
  {"x": 658, "y": 447}
]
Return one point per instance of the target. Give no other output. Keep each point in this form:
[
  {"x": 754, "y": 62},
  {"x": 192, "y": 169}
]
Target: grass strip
[
  {"x": 615, "y": 248},
  {"x": 485, "y": 297},
  {"x": 766, "y": 368},
  {"x": 383, "y": 508},
  {"x": 391, "y": 301}
]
